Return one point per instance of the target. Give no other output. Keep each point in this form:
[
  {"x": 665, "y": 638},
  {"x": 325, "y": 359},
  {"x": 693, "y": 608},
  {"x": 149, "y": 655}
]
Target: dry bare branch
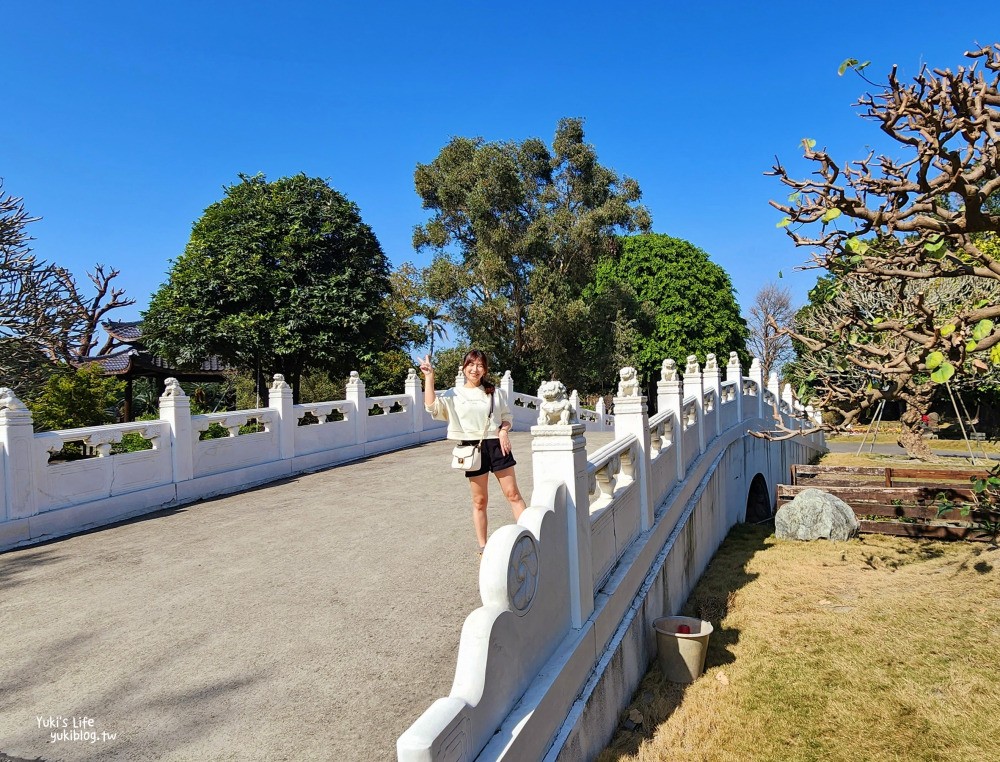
[{"x": 929, "y": 214}]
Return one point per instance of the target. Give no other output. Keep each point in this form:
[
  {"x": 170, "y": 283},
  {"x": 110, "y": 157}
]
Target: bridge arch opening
[{"x": 758, "y": 501}]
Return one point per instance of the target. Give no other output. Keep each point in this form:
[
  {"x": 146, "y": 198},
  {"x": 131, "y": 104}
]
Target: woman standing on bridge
[{"x": 467, "y": 410}]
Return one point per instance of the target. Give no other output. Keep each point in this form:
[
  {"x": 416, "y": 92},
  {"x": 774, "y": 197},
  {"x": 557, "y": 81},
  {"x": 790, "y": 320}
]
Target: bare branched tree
[
  {"x": 886, "y": 222},
  {"x": 837, "y": 367},
  {"x": 770, "y": 312},
  {"x": 44, "y": 317}
]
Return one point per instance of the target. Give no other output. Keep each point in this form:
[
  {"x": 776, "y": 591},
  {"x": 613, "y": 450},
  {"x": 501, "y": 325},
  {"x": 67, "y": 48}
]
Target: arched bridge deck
[
  {"x": 314, "y": 618},
  {"x": 321, "y": 616}
]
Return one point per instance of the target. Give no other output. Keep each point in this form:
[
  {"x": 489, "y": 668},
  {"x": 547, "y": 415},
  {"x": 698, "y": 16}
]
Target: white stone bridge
[{"x": 319, "y": 616}]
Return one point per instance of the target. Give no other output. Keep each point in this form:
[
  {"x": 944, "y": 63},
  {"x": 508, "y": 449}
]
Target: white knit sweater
[{"x": 466, "y": 409}]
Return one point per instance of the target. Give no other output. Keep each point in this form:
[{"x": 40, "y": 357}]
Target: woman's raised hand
[{"x": 425, "y": 366}]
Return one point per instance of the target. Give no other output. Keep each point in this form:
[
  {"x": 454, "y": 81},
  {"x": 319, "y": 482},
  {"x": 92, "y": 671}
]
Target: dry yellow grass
[
  {"x": 900, "y": 461},
  {"x": 880, "y": 461},
  {"x": 991, "y": 446},
  {"x": 876, "y": 649}
]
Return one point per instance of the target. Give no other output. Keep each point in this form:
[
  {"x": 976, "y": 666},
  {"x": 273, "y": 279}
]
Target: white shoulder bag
[{"x": 470, "y": 457}]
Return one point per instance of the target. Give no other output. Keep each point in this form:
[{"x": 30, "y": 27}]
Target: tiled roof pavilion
[{"x": 134, "y": 361}]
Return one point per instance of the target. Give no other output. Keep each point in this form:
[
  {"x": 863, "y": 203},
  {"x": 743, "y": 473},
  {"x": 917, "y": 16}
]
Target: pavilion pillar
[{"x": 128, "y": 400}]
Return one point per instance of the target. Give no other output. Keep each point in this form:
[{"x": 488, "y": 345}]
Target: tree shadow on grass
[
  {"x": 917, "y": 551},
  {"x": 656, "y": 698}
]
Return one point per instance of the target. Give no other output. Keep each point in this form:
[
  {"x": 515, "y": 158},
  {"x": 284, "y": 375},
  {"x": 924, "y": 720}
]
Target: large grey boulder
[{"x": 815, "y": 515}]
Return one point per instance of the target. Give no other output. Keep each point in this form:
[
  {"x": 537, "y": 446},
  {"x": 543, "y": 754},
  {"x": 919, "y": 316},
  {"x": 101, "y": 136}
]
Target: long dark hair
[{"x": 477, "y": 355}]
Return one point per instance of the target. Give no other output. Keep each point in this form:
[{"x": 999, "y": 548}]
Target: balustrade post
[
  {"x": 6, "y": 483},
  {"x": 712, "y": 381},
  {"x": 280, "y": 398},
  {"x": 632, "y": 417},
  {"x": 670, "y": 397},
  {"x": 600, "y": 411},
  {"x": 17, "y": 462},
  {"x": 814, "y": 415},
  {"x": 574, "y": 401},
  {"x": 415, "y": 391},
  {"x": 757, "y": 376},
  {"x": 175, "y": 409},
  {"x": 506, "y": 387},
  {"x": 560, "y": 452},
  {"x": 693, "y": 386},
  {"x": 789, "y": 399},
  {"x": 355, "y": 394},
  {"x": 734, "y": 374},
  {"x": 775, "y": 388}
]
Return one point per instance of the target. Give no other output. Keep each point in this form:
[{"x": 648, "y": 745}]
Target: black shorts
[{"x": 493, "y": 457}]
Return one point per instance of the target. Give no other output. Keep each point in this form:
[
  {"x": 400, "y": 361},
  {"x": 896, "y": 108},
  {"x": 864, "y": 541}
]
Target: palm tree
[{"x": 434, "y": 320}]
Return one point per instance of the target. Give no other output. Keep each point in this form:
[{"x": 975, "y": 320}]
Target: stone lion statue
[
  {"x": 555, "y": 408},
  {"x": 628, "y": 386},
  {"x": 668, "y": 372},
  {"x": 172, "y": 388},
  {"x": 9, "y": 401}
]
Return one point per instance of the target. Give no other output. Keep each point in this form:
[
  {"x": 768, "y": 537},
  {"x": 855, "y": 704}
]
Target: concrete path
[
  {"x": 886, "y": 448},
  {"x": 313, "y": 619}
]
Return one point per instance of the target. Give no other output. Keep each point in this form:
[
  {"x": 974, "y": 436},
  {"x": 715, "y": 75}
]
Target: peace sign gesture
[{"x": 426, "y": 368}]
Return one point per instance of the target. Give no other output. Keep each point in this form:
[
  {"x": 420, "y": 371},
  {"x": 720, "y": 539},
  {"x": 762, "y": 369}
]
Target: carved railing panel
[
  {"x": 728, "y": 392},
  {"x": 102, "y": 441},
  {"x": 315, "y": 413},
  {"x": 611, "y": 468},
  {"x": 388, "y": 404},
  {"x": 233, "y": 424},
  {"x": 79, "y": 465},
  {"x": 689, "y": 413},
  {"x": 614, "y": 503},
  {"x": 708, "y": 400}
]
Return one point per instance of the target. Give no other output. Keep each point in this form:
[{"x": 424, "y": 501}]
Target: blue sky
[{"x": 123, "y": 121}]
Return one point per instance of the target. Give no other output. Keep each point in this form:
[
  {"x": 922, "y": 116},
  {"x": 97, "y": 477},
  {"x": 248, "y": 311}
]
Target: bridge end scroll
[{"x": 441, "y": 734}]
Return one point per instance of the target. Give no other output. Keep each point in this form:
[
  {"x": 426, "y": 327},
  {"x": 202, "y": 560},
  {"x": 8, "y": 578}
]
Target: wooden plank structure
[
  {"x": 897, "y": 501},
  {"x": 890, "y": 477}
]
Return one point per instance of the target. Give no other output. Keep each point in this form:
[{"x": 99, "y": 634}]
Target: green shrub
[{"x": 72, "y": 398}]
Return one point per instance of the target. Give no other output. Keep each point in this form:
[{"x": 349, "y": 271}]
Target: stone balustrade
[
  {"x": 47, "y": 493},
  {"x": 609, "y": 542},
  {"x": 50, "y": 489}
]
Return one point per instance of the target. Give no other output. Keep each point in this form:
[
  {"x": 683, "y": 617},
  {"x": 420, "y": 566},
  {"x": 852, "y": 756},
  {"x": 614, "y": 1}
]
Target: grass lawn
[
  {"x": 880, "y": 648},
  {"x": 990, "y": 446},
  {"x": 903, "y": 461}
]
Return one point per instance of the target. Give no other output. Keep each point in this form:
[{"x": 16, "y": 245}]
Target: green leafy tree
[
  {"x": 278, "y": 277},
  {"x": 924, "y": 212},
  {"x": 405, "y": 303},
  {"x": 386, "y": 374},
  {"x": 448, "y": 363},
  {"x": 75, "y": 397},
  {"x": 682, "y": 303},
  {"x": 517, "y": 230}
]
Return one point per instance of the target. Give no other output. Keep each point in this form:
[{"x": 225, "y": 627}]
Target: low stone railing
[
  {"x": 615, "y": 503},
  {"x": 185, "y": 457},
  {"x": 608, "y": 544}
]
